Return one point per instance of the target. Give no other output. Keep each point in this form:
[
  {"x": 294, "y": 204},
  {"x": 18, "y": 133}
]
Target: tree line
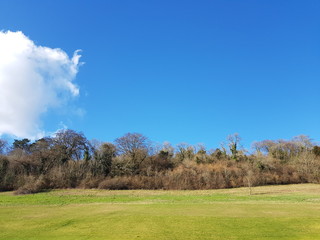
[{"x": 70, "y": 160}]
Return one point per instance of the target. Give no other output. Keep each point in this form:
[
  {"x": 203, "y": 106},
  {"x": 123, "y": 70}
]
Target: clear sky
[{"x": 181, "y": 71}]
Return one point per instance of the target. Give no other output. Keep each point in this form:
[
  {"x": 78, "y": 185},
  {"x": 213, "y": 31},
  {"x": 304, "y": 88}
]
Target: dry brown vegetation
[{"x": 69, "y": 160}]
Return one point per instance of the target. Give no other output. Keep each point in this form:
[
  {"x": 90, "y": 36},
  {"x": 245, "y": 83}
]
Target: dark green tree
[
  {"x": 23, "y": 145},
  {"x": 104, "y": 156}
]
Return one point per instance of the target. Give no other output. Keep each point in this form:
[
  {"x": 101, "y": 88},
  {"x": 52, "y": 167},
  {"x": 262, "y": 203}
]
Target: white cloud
[{"x": 33, "y": 79}]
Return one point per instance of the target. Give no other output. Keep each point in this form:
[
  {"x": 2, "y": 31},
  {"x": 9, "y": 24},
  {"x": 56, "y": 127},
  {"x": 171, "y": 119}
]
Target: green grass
[{"x": 272, "y": 212}]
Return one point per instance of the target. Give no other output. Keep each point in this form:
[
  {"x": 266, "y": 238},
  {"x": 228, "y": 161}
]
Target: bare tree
[
  {"x": 264, "y": 146},
  {"x": 75, "y": 144},
  {"x": 285, "y": 149},
  {"x": 130, "y": 143},
  {"x": 303, "y": 142},
  {"x": 185, "y": 151},
  {"x": 135, "y": 146},
  {"x": 234, "y": 145}
]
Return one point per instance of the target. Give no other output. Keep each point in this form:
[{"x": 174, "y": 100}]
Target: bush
[
  {"x": 132, "y": 182},
  {"x": 34, "y": 185}
]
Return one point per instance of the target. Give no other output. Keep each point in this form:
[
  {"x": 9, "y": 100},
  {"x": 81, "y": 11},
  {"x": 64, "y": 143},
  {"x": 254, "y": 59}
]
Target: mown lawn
[{"x": 272, "y": 212}]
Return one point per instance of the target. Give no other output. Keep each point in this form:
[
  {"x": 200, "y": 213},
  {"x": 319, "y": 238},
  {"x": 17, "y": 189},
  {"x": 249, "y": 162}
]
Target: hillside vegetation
[{"x": 69, "y": 160}]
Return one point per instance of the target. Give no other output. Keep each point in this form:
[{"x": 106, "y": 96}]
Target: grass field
[{"x": 272, "y": 212}]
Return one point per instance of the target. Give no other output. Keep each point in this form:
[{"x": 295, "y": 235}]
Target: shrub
[{"x": 34, "y": 185}]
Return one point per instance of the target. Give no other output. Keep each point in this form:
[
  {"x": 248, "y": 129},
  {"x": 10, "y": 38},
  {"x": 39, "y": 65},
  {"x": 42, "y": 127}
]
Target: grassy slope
[{"x": 273, "y": 212}]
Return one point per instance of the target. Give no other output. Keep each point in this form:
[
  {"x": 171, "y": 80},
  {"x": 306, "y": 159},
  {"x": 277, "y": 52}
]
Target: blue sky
[{"x": 183, "y": 71}]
